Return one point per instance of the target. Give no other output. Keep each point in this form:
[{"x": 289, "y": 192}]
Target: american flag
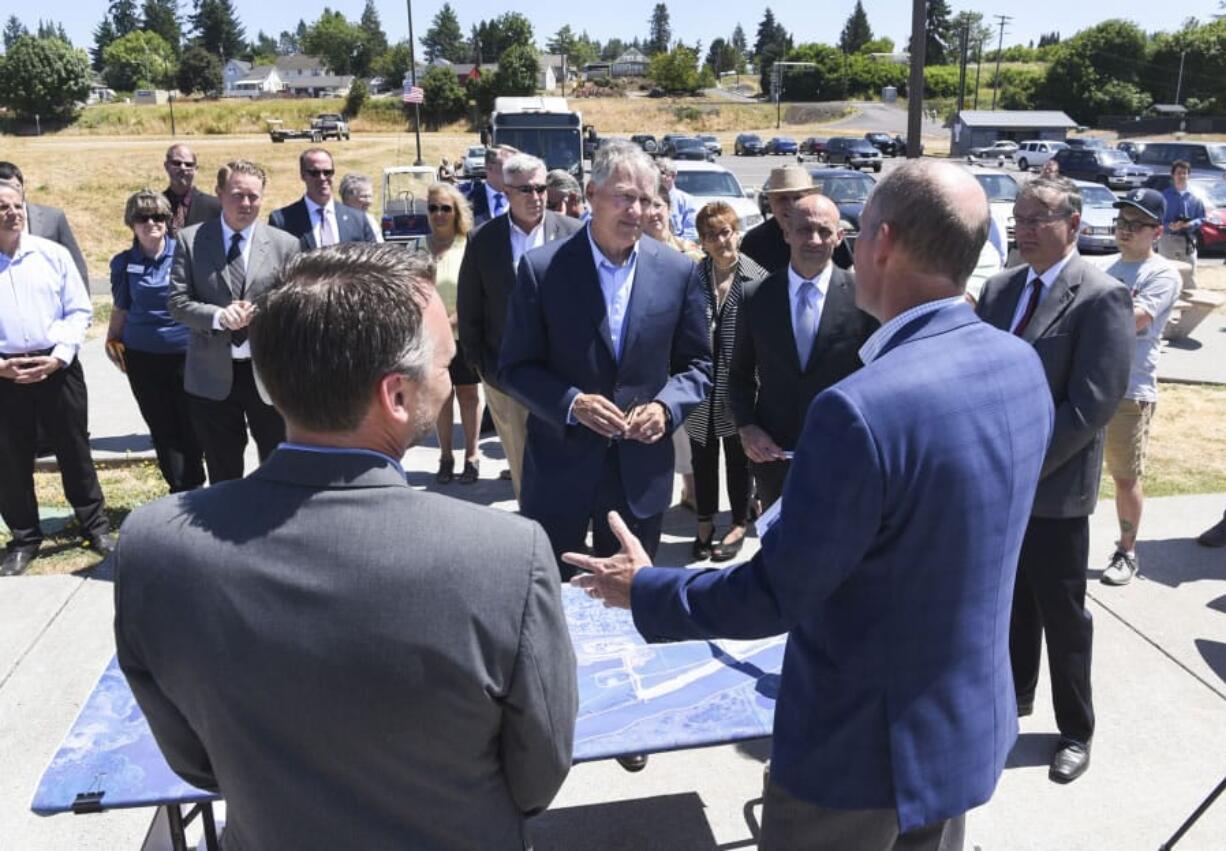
[{"x": 413, "y": 94}]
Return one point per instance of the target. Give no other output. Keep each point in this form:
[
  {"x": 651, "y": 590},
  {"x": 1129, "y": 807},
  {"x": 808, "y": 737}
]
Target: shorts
[
  {"x": 461, "y": 373},
  {"x": 1127, "y": 438}
]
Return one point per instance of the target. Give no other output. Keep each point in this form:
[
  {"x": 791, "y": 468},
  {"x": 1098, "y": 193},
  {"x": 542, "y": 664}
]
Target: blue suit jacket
[
  {"x": 892, "y": 569},
  {"x": 351, "y": 225},
  {"x": 556, "y": 345}
]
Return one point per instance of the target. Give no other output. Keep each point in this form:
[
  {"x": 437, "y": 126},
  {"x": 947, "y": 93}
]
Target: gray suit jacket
[
  {"x": 485, "y": 283},
  {"x": 1084, "y": 333},
  {"x": 199, "y": 290},
  {"x": 350, "y": 662},
  {"x": 52, "y": 224}
]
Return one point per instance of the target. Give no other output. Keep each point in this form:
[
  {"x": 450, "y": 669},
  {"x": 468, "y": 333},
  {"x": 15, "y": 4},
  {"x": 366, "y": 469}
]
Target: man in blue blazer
[
  {"x": 316, "y": 218},
  {"x": 892, "y": 562},
  {"x": 607, "y": 344}
]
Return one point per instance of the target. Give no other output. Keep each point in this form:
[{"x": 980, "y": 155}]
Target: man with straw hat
[{"x": 765, "y": 244}]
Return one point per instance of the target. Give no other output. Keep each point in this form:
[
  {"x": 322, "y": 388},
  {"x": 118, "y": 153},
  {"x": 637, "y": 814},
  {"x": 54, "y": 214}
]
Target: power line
[{"x": 1000, "y": 46}]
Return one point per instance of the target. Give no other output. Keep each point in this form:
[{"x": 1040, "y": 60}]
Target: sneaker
[{"x": 1121, "y": 569}]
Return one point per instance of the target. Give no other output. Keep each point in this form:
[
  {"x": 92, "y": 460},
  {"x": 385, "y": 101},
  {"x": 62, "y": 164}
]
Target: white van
[{"x": 1034, "y": 153}]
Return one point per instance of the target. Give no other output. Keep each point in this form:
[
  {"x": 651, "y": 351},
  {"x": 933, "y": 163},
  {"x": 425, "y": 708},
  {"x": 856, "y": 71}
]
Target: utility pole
[
  {"x": 1004, "y": 19},
  {"x": 978, "y": 68},
  {"x": 1179, "y": 83},
  {"x": 413, "y": 82},
  {"x": 777, "y": 83},
  {"x": 963, "y": 37},
  {"x": 915, "y": 84}
]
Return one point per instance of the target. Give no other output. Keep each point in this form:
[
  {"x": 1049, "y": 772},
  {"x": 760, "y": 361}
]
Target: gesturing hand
[
  {"x": 609, "y": 579},
  {"x": 599, "y": 414}
]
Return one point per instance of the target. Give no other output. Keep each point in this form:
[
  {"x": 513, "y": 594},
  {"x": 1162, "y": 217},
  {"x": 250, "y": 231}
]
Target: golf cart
[{"x": 404, "y": 204}]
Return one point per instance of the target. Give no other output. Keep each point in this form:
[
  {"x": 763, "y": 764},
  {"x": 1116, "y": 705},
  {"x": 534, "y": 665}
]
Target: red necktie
[{"x": 1031, "y": 306}]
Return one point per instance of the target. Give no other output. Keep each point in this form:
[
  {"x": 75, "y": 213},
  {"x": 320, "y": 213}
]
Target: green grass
[{"x": 230, "y": 116}]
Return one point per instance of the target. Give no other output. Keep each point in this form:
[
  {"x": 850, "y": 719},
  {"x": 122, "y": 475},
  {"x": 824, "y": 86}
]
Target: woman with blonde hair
[{"x": 450, "y": 219}]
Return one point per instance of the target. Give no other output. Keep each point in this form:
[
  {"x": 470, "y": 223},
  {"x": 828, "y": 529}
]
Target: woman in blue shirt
[{"x": 149, "y": 346}]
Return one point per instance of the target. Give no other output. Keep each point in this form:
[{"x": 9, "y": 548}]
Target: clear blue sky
[{"x": 691, "y": 19}]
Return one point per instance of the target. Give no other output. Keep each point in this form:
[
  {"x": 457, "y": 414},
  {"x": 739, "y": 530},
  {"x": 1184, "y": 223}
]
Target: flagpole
[{"x": 413, "y": 82}]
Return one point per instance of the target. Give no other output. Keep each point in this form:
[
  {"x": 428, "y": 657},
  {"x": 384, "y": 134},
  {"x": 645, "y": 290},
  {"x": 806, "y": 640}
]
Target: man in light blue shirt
[
  {"x": 44, "y": 313},
  {"x": 683, "y": 212},
  {"x": 1182, "y": 220}
]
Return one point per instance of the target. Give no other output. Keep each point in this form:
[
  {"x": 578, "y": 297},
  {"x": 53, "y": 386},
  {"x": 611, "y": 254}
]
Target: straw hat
[{"x": 790, "y": 178}]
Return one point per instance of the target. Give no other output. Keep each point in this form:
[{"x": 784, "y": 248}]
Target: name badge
[{"x": 136, "y": 269}]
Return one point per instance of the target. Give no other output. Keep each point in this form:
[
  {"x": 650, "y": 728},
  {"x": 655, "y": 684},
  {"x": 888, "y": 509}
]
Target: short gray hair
[
  {"x": 334, "y": 323},
  {"x": 563, "y": 181},
  {"x": 1066, "y": 190},
  {"x": 619, "y": 154},
  {"x": 521, "y": 164},
  {"x": 666, "y": 166},
  {"x": 925, "y": 221},
  {"x": 353, "y": 183}
]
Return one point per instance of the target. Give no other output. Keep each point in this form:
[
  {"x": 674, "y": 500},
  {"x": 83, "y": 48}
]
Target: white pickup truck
[{"x": 1033, "y": 153}]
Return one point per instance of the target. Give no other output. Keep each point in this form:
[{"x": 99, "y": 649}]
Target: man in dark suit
[
  {"x": 188, "y": 205},
  {"x": 48, "y": 222},
  {"x": 607, "y": 344},
  {"x": 892, "y": 561},
  {"x": 487, "y": 276},
  {"x": 766, "y": 244},
  {"x": 488, "y": 196},
  {"x": 220, "y": 267},
  {"x": 1080, "y": 321},
  {"x": 315, "y": 657},
  {"x": 316, "y": 218},
  {"x": 798, "y": 332}
]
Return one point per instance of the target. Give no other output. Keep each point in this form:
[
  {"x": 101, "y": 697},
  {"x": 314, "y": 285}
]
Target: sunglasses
[
  {"x": 319, "y": 172},
  {"x": 181, "y": 163},
  {"x": 439, "y": 208},
  {"x": 531, "y": 189},
  {"x": 145, "y": 218}
]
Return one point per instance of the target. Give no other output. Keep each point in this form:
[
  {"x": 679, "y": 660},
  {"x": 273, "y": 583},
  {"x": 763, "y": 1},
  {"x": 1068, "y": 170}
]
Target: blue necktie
[
  {"x": 805, "y": 324},
  {"x": 499, "y": 203}
]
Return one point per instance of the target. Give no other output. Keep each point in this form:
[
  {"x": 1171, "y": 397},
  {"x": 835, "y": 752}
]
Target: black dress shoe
[
  {"x": 103, "y": 545},
  {"x": 446, "y": 470},
  {"x": 633, "y": 763},
  {"x": 1070, "y": 762},
  {"x": 701, "y": 548},
  {"x": 16, "y": 561},
  {"x": 727, "y": 552},
  {"x": 1214, "y": 536}
]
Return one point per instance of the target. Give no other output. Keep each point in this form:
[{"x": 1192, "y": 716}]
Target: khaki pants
[
  {"x": 1176, "y": 246},
  {"x": 511, "y": 421}
]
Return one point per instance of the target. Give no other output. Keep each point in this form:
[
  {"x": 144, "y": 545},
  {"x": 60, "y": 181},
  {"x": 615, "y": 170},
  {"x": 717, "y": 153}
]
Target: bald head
[
  {"x": 812, "y": 234},
  {"x": 937, "y": 216},
  {"x": 180, "y": 167}
]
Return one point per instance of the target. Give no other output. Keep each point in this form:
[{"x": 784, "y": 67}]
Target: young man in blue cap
[{"x": 1155, "y": 285}]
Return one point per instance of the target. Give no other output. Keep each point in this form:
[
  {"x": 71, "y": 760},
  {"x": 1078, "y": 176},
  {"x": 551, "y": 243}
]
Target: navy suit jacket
[
  {"x": 892, "y": 569},
  {"x": 351, "y": 225},
  {"x": 556, "y": 345}
]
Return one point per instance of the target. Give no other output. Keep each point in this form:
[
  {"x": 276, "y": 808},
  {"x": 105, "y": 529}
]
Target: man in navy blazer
[
  {"x": 607, "y": 344},
  {"x": 316, "y": 218},
  {"x": 892, "y": 562}
]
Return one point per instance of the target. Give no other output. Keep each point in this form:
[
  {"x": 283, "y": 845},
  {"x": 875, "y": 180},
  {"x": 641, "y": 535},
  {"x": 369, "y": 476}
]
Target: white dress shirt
[
  {"x": 1048, "y": 278},
  {"x": 871, "y": 350},
  {"x": 316, "y": 227},
  {"x": 522, "y": 243},
  {"x": 43, "y": 304},
  {"x": 242, "y": 352},
  {"x": 490, "y": 194},
  {"x": 616, "y": 286}
]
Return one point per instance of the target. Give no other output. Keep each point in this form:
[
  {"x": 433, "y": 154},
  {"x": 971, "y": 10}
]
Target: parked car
[
  {"x": 1109, "y": 167},
  {"x": 748, "y": 145},
  {"x": 884, "y": 142},
  {"x": 707, "y": 181},
  {"x": 1203, "y": 156},
  {"x": 814, "y": 146},
  {"x": 473, "y": 164},
  {"x": 782, "y": 145},
  {"x": 1001, "y": 189},
  {"x": 667, "y": 140},
  {"x": 1083, "y": 142},
  {"x": 847, "y": 188},
  {"x": 1133, "y": 149},
  {"x": 647, "y": 142},
  {"x": 331, "y": 125},
  {"x": 1033, "y": 153},
  {"x": 852, "y": 152},
  {"x": 1098, "y": 214},
  {"x": 1005, "y": 148},
  {"x": 1211, "y": 190},
  {"x": 713, "y": 145},
  {"x": 687, "y": 148}
]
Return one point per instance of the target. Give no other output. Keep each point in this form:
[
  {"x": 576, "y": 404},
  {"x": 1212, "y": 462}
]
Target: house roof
[
  {"x": 463, "y": 69},
  {"x": 238, "y": 63},
  {"x": 258, "y": 74},
  {"x": 631, "y": 55},
  {"x": 1169, "y": 108},
  {"x": 299, "y": 62},
  {"x": 1020, "y": 118}
]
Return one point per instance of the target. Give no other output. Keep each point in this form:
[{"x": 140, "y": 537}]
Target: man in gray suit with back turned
[
  {"x": 1081, "y": 324},
  {"x": 219, "y": 269},
  {"x": 350, "y": 662}
]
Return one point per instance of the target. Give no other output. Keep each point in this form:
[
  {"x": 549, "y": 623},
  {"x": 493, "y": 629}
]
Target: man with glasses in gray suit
[
  {"x": 219, "y": 269},
  {"x": 351, "y": 662}
]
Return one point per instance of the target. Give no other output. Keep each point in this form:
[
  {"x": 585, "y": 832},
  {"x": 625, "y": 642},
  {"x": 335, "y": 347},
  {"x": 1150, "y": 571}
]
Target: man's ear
[{"x": 395, "y": 396}]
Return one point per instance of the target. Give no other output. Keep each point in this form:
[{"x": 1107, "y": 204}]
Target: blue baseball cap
[{"x": 1148, "y": 201}]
